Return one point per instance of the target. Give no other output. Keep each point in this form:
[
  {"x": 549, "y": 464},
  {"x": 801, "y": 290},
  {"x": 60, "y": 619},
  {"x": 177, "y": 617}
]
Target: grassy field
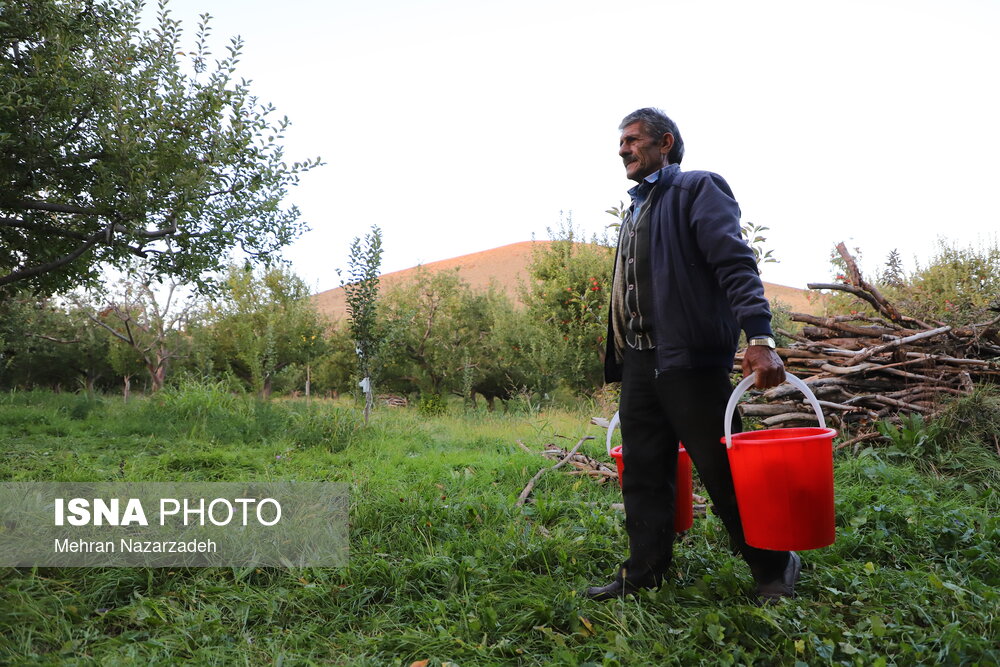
[{"x": 444, "y": 568}]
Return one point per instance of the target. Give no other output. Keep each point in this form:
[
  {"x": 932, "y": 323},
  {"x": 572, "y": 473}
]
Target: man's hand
[{"x": 766, "y": 363}]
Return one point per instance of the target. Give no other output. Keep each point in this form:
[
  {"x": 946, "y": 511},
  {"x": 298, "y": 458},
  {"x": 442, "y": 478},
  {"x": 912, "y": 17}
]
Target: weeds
[
  {"x": 962, "y": 443},
  {"x": 913, "y": 437}
]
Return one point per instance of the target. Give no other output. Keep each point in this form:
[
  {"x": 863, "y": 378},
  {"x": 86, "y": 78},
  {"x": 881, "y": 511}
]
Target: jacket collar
[{"x": 661, "y": 177}]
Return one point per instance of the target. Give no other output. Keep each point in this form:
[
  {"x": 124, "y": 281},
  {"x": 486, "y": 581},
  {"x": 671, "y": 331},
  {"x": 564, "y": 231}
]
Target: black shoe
[
  {"x": 783, "y": 586},
  {"x": 616, "y": 589}
]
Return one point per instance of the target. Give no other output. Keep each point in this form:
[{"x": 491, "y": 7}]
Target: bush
[
  {"x": 431, "y": 405},
  {"x": 973, "y": 419},
  {"x": 334, "y": 427},
  {"x": 958, "y": 286},
  {"x": 83, "y": 407},
  {"x": 961, "y": 442},
  {"x": 568, "y": 292}
]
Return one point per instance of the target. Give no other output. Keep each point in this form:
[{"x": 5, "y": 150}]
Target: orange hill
[{"x": 507, "y": 267}]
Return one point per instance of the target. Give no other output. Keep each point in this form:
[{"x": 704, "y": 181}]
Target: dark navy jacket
[{"x": 704, "y": 279}]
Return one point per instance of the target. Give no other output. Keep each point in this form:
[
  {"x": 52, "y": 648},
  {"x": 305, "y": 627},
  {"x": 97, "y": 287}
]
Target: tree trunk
[
  {"x": 308, "y": 379},
  {"x": 127, "y": 388},
  {"x": 157, "y": 375}
]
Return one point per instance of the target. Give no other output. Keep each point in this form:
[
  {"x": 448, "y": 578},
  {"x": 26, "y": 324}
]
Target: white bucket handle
[
  {"x": 742, "y": 387},
  {"x": 611, "y": 429}
]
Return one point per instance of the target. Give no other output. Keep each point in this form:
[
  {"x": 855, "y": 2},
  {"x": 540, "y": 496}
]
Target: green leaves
[
  {"x": 913, "y": 435},
  {"x": 361, "y": 290},
  {"x": 119, "y": 151},
  {"x": 752, "y": 233},
  {"x": 262, "y": 323},
  {"x": 569, "y": 295}
]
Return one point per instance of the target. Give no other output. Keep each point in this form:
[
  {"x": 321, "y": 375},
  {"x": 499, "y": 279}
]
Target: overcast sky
[{"x": 463, "y": 126}]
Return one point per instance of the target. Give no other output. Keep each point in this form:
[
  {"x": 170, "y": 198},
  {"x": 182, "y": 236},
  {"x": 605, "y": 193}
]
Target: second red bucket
[
  {"x": 684, "y": 497},
  {"x": 783, "y": 479}
]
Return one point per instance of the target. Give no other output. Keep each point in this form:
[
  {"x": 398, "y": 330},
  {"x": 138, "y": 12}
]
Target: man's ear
[{"x": 667, "y": 143}]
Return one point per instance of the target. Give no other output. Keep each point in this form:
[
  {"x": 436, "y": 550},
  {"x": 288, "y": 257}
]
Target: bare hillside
[{"x": 507, "y": 267}]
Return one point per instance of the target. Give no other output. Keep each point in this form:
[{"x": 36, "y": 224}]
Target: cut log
[
  {"x": 765, "y": 409},
  {"x": 790, "y": 418},
  {"x": 844, "y": 325},
  {"x": 897, "y": 342}
]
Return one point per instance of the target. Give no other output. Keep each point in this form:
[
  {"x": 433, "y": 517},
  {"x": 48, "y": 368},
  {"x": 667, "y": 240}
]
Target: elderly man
[{"x": 685, "y": 284}]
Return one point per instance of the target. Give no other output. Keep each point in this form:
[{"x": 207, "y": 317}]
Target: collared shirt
[{"x": 633, "y": 248}]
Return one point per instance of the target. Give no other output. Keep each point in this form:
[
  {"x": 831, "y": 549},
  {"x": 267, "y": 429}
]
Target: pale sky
[{"x": 463, "y": 126}]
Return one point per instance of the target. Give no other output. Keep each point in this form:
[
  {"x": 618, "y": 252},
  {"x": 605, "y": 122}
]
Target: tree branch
[
  {"x": 34, "y": 205},
  {"x": 76, "y": 126},
  {"x": 39, "y": 269},
  {"x": 871, "y": 351},
  {"x": 531, "y": 484},
  {"x": 149, "y": 233},
  {"x": 55, "y": 340},
  {"x": 111, "y": 330},
  {"x": 851, "y": 289},
  {"x": 883, "y": 306},
  {"x": 859, "y": 439},
  {"x": 38, "y": 228},
  {"x": 842, "y": 324}
]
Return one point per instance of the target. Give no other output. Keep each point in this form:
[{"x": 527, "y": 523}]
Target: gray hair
[{"x": 656, "y": 124}]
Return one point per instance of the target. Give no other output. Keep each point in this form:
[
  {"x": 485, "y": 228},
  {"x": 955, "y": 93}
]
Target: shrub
[
  {"x": 961, "y": 442},
  {"x": 431, "y": 405},
  {"x": 333, "y": 427},
  {"x": 83, "y": 407},
  {"x": 958, "y": 286},
  {"x": 973, "y": 419}
]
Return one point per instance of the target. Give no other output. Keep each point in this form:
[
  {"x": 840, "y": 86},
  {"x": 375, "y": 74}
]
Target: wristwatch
[{"x": 766, "y": 341}]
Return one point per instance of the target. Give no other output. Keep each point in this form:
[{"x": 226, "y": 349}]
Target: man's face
[{"x": 641, "y": 153}]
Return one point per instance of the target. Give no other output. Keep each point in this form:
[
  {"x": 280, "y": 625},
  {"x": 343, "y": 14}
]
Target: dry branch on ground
[{"x": 563, "y": 456}]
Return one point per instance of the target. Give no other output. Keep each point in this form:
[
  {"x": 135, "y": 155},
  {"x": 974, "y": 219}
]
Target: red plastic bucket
[
  {"x": 684, "y": 497},
  {"x": 783, "y": 479}
]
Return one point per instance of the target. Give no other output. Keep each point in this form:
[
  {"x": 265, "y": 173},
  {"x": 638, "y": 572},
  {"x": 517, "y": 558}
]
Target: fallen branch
[
  {"x": 793, "y": 336},
  {"x": 848, "y": 370},
  {"x": 851, "y": 289},
  {"x": 882, "y": 305},
  {"x": 788, "y": 418},
  {"x": 592, "y": 472},
  {"x": 842, "y": 323},
  {"x": 871, "y": 351},
  {"x": 524, "y": 447},
  {"x": 885, "y": 400},
  {"x": 531, "y": 484},
  {"x": 860, "y": 438},
  {"x": 765, "y": 409}
]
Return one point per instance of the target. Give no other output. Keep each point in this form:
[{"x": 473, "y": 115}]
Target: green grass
[{"x": 444, "y": 567}]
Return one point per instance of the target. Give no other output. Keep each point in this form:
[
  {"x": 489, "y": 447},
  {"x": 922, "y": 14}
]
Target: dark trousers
[{"x": 657, "y": 412}]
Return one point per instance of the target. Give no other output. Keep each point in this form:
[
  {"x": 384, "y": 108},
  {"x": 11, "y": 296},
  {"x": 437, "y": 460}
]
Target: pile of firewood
[{"x": 869, "y": 367}]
